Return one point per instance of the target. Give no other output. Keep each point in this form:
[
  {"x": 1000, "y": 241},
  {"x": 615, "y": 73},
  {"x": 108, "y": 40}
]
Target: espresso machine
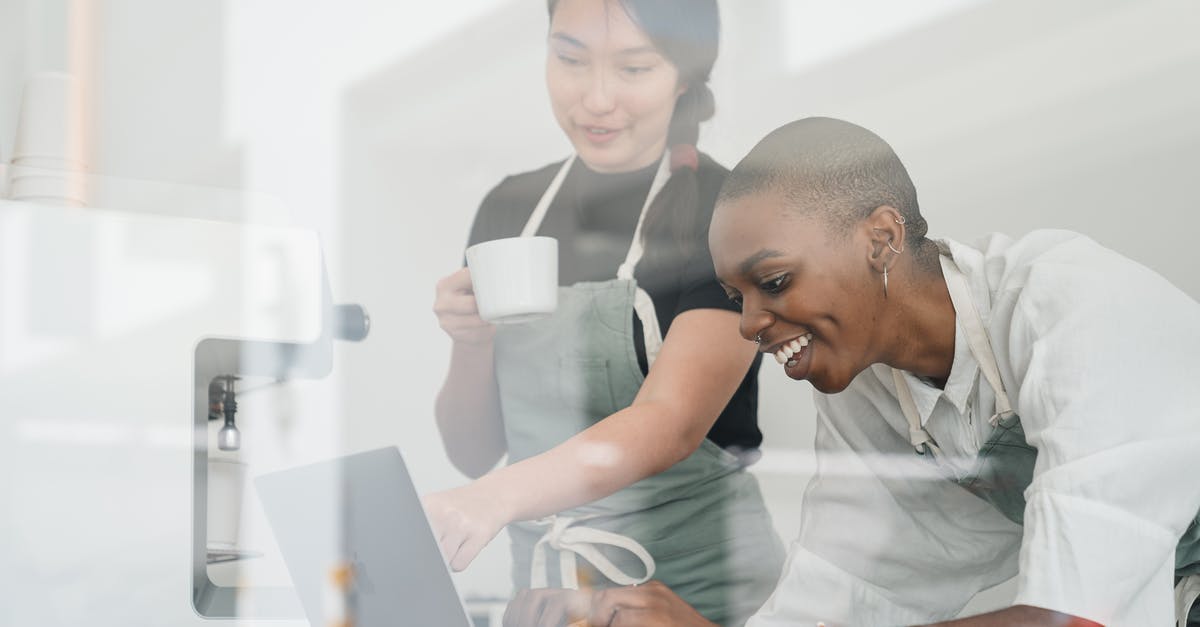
[{"x": 146, "y": 337}]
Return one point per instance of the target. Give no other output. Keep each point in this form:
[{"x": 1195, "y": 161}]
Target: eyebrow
[
  {"x": 567, "y": 39},
  {"x": 748, "y": 264}
]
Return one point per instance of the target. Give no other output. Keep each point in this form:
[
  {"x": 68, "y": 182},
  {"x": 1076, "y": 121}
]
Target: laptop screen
[{"x": 358, "y": 545}]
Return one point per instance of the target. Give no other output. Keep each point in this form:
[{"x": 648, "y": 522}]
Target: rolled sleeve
[
  {"x": 1108, "y": 398},
  {"x": 1088, "y": 559}
]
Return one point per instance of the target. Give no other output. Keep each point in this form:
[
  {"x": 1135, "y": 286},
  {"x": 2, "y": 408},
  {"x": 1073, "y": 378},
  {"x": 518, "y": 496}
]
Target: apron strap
[
  {"x": 636, "y": 248},
  {"x": 1186, "y": 593},
  {"x": 977, "y": 338},
  {"x": 571, "y": 541},
  {"x": 539, "y": 212},
  {"x": 643, "y": 305},
  {"x": 917, "y": 435}
]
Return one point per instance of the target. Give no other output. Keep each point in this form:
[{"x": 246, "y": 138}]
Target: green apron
[
  {"x": 1003, "y": 468},
  {"x": 700, "y": 527}
]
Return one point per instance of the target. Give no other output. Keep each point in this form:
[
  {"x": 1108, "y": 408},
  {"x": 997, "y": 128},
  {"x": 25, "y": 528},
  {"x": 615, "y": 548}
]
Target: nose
[
  {"x": 599, "y": 98},
  {"x": 754, "y": 323}
]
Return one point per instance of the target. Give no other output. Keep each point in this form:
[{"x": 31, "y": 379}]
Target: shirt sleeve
[
  {"x": 1105, "y": 352},
  {"x": 885, "y": 539},
  {"x": 698, "y": 286}
]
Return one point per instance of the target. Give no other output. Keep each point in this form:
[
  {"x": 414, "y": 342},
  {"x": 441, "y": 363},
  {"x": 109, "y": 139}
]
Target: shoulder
[
  {"x": 509, "y": 204},
  {"x": 709, "y": 178},
  {"x": 1057, "y": 266},
  {"x": 1062, "y": 293},
  {"x": 520, "y": 188}
]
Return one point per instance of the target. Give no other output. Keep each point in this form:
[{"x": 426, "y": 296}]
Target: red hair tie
[{"x": 684, "y": 155}]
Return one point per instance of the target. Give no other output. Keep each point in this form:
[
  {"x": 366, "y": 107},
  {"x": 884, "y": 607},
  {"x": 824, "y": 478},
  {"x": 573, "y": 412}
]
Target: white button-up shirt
[{"x": 1099, "y": 357}]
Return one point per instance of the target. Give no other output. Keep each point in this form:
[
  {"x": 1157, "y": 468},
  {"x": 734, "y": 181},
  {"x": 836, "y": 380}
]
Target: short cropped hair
[{"x": 833, "y": 170}]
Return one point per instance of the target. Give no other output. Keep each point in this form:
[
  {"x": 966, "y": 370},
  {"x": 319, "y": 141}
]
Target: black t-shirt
[{"x": 593, "y": 218}]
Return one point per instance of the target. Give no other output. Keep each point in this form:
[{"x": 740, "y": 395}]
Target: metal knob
[{"x": 229, "y": 438}]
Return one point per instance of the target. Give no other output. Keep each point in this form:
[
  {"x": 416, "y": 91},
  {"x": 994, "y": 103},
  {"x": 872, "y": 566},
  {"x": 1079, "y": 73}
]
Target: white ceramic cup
[
  {"x": 515, "y": 279},
  {"x": 226, "y": 484}
]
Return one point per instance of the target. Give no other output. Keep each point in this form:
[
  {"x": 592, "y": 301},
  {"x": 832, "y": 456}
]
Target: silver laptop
[{"x": 362, "y": 511}]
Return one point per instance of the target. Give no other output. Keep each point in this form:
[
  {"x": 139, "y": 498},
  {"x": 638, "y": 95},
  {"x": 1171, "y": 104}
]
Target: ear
[
  {"x": 885, "y": 231},
  {"x": 681, "y": 90}
]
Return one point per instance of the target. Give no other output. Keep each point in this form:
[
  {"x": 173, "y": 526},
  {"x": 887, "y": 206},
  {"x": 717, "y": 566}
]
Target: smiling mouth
[{"x": 789, "y": 353}]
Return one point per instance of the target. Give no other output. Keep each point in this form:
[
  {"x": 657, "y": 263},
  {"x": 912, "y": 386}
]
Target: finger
[
  {"x": 606, "y": 604},
  {"x": 455, "y": 304},
  {"x": 451, "y": 543},
  {"x": 518, "y": 614},
  {"x": 602, "y": 610},
  {"x": 467, "y": 329},
  {"x": 458, "y": 281},
  {"x": 553, "y": 614},
  {"x": 632, "y": 617},
  {"x": 471, "y": 546}
]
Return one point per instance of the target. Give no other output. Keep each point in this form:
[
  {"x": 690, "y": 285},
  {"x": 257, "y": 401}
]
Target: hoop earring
[
  {"x": 885, "y": 281},
  {"x": 901, "y": 220},
  {"x": 889, "y": 245}
]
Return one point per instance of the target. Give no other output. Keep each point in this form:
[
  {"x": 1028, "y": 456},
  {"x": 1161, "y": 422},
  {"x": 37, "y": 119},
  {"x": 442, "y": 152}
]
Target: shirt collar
[{"x": 964, "y": 369}]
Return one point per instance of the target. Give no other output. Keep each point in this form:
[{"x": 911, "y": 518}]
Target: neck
[{"x": 919, "y": 334}]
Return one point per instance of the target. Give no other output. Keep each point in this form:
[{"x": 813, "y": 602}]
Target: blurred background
[{"x": 380, "y": 124}]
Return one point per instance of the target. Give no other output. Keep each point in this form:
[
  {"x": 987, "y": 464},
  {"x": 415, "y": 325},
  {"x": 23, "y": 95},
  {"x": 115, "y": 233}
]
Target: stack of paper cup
[
  {"x": 48, "y": 153},
  {"x": 226, "y": 483}
]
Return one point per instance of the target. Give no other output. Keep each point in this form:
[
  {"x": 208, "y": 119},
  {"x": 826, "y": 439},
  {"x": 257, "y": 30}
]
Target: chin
[
  {"x": 829, "y": 385},
  {"x": 597, "y": 158}
]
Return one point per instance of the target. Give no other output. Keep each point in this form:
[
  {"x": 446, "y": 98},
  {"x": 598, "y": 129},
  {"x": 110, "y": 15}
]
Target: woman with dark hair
[{"x": 629, "y": 415}]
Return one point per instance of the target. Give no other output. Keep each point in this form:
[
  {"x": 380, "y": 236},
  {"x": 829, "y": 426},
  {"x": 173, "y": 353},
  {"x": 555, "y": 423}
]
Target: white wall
[{"x": 382, "y": 124}]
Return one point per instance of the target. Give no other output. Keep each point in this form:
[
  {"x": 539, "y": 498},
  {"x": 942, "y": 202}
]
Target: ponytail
[{"x": 675, "y": 226}]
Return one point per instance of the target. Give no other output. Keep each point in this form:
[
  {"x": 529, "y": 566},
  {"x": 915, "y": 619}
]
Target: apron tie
[
  {"x": 995, "y": 419},
  {"x": 570, "y": 541}
]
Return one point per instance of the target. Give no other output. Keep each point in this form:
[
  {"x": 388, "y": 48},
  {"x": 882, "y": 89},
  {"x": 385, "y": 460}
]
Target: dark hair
[
  {"x": 686, "y": 32},
  {"x": 835, "y": 170}
]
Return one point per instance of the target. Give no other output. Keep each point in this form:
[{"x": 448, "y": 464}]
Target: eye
[
  {"x": 635, "y": 70},
  {"x": 569, "y": 60},
  {"x": 734, "y": 297},
  {"x": 775, "y": 285}
]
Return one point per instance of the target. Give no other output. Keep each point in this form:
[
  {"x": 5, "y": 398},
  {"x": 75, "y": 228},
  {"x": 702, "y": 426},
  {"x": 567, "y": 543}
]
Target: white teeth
[{"x": 788, "y": 353}]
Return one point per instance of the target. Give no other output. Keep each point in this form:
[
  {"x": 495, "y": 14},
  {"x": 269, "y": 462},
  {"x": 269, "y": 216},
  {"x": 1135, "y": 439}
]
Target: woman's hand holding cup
[{"x": 458, "y": 313}]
